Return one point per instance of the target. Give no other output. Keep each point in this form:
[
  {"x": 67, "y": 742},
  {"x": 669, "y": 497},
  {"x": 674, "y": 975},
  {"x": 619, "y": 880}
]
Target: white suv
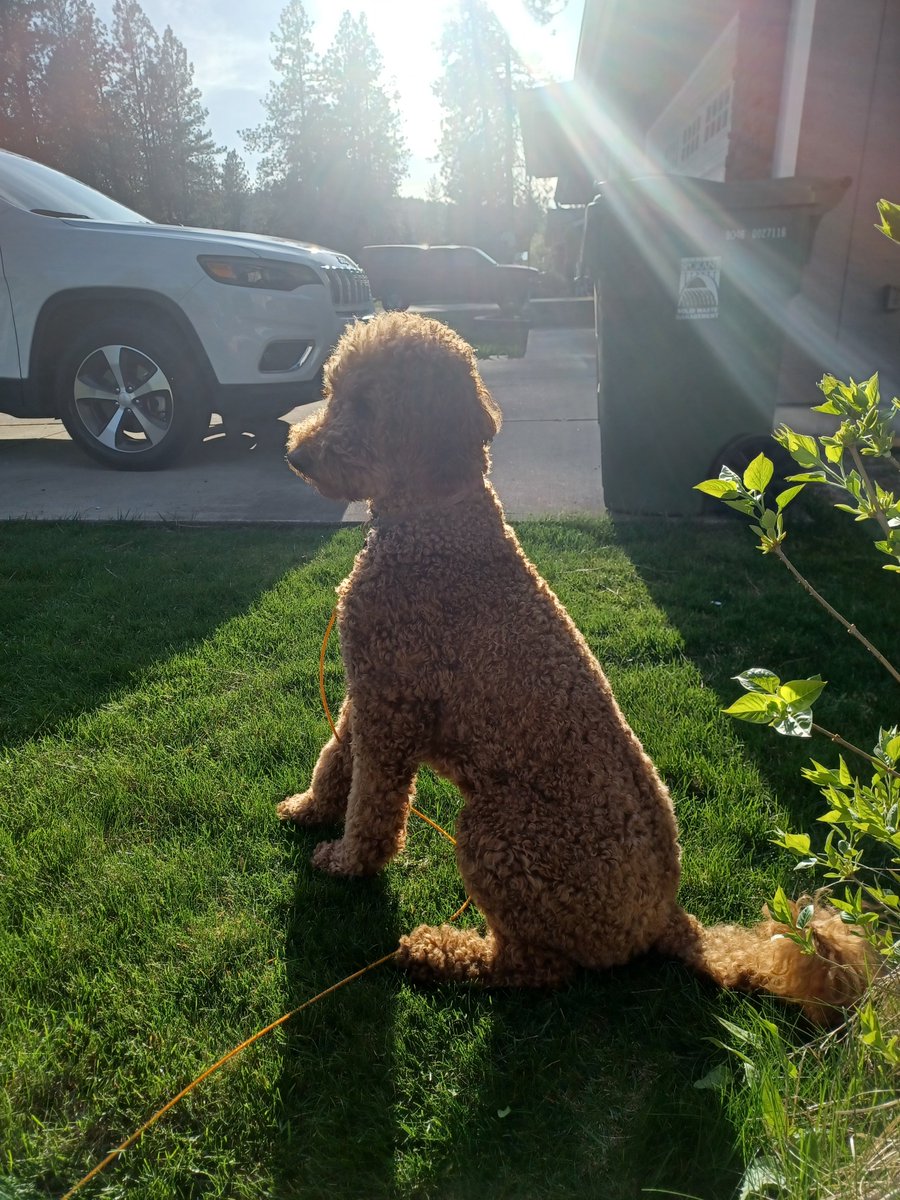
[{"x": 132, "y": 333}]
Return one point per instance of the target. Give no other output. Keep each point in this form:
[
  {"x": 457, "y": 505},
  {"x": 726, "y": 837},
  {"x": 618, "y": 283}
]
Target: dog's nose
[{"x": 297, "y": 458}]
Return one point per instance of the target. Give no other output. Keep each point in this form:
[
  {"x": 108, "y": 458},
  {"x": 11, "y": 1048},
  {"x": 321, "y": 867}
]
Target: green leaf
[
  {"x": 801, "y": 447},
  {"x": 758, "y": 679},
  {"x": 890, "y": 220},
  {"x": 781, "y": 909},
  {"x": 755, "y": 707},
  {"x": 763, "y": 1177},
  {"x": 742, "y": 506},
  {"x": 796, "y": 842},
  {"x": 768, "y": 520},
  {"x": 714, "y": 1079},
  {"x": 805, "y": 915},
  {"x": 829, "y": 384},
  {"x": 828, "y": 407},
  {"x": 736, "y": 1031},
  {"x": 716, "y": 487},
  {"x": 784, "y": 498},
  {"x": 802, "y": 691},
  {"x": 758, "y": 474},
  {"x": 794, "y": 724},
  {"x": 773, "y": 1109},
  {"x": 807, "y": 477}
]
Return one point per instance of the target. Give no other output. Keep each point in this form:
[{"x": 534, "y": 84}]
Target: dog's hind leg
[
  {"x": 325, "y": 802},
  {"x": 433, "y": 954}
]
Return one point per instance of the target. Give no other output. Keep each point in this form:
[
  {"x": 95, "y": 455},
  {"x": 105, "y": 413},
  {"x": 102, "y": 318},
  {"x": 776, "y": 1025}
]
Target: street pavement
[{"x": 546, "y": 457}]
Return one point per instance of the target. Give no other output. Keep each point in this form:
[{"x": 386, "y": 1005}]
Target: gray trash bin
[{"x": 691, "y": 280}]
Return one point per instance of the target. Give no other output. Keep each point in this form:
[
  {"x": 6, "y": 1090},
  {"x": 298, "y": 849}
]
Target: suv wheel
[{"x": 128, "y": 393}]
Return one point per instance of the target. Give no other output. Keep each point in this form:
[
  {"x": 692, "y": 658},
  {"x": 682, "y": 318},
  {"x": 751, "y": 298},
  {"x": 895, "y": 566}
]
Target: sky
[{"x": 228, "y": 43}]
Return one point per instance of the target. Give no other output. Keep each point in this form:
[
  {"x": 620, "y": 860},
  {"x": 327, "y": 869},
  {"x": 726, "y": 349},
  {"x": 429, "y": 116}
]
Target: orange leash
[{"x": 113, "y": 1154}]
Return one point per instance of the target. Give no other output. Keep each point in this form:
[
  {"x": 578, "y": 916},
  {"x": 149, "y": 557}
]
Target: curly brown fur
[{"x": 458, "y": 655}]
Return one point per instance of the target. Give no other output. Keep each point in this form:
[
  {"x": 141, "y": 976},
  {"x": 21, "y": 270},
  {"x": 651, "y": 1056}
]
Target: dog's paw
[
  {"x": 302, "y": 810},
  {"x": 331, "y": 857}
]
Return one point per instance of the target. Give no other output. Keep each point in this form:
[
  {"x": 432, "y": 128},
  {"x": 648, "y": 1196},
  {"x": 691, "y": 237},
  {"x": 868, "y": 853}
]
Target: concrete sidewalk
[{"x": 546, "y": 457}]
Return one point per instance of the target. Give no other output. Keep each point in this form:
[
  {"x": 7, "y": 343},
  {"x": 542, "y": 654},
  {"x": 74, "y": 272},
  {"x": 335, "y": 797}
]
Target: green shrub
[{"x": 824, "y": 1119}]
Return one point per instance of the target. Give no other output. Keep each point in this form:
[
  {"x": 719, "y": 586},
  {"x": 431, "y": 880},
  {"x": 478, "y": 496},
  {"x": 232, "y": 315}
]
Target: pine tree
[
  {"x": 186, "y": 153},
  {"x": 167, "y": 155},
  {"x": 21, "y": 46},
  {"x": 366, "y": 153},
  {"x": 545, "y": 11},
  {"x": 287, "y": 140},
  {"x": 235, "y": 191},
  {"x": 76, "y": 123},
  {"x": 331, "y": 147},
  {"x": 135, "y": 48},
  {"x": 482, "y": 165}
]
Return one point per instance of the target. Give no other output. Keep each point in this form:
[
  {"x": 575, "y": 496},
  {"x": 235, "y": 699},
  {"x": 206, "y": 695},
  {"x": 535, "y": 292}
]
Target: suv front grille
[{"x": 349, "y": 286}]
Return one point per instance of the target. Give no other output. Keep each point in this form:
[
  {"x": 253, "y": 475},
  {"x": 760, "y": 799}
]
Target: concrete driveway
[{"x": 546, "y": 457}]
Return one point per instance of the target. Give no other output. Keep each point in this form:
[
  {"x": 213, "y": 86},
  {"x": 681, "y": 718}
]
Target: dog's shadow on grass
[
  {"x": 389, "y": 1089},
  {"x": 587, "y": 1092},
  {"x": 336, "y": 1132}
]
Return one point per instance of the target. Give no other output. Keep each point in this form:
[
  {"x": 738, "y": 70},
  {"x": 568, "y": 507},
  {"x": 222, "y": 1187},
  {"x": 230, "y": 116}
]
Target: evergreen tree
[
  {"x": 21, "y": 46},
  {"x": 287, "y": 140},
  {"x": 331, "y": 147},
  {"x": 185, "y": 163},
  {"x": 545, "y": 11},
  {"x": 482, "y": 165},
  {"x": 366, "y": 153},
  {"x": 76, "y": 123},
  {"x": 235, "y": 190},
  {"x": 167, "y": 155},
  {"x": 135, "y": 48}
]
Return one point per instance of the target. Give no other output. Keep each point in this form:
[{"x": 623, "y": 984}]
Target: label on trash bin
[{"x": 698, "y": 289}]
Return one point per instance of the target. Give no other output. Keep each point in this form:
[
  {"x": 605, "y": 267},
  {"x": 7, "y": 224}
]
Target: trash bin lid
[{"x": 815, "y": 193}]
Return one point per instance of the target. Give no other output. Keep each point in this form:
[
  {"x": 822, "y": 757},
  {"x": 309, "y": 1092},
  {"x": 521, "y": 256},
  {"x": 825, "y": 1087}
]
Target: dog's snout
[{"x": 298, "y": 457}]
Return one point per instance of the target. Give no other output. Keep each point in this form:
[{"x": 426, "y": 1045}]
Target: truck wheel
[{"x": 128, "y": 393}]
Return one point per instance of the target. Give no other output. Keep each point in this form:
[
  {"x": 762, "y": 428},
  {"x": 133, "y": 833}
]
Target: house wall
[
  {"x": 762, "y": 36},
  {"x": 690, "y": 136},
  {"x": 850, "y": 126}
]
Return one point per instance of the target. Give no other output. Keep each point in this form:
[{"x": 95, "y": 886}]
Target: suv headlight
[{"x": 258, "y": 272}]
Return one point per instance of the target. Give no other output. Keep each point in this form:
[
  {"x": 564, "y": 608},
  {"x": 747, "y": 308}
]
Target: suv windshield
[{"x": 39, "y": 189}]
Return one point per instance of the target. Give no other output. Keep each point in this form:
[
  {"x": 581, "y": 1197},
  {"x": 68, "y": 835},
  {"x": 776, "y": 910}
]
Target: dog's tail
[{"x": 762, "y": 958}]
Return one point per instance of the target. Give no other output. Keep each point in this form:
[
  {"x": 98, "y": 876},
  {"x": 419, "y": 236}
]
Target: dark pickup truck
[{"x": 403, "y": 275}]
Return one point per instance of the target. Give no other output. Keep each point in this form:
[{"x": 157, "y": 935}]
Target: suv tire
[{"x": 129, "y": 394}]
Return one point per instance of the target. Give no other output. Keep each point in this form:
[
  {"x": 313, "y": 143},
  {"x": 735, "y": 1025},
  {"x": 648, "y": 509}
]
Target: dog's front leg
[
  {"x": 325, "y": 802},
  {"x": 384, "y": 770}
]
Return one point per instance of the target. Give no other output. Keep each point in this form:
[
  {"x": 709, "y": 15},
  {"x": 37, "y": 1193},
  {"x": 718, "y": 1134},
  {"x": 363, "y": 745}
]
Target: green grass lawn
[{"x": 158, "y": 695}]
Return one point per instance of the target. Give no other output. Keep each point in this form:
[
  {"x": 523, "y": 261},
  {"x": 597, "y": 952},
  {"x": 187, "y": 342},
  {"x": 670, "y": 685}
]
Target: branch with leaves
[{"x": 861, "y": 852}]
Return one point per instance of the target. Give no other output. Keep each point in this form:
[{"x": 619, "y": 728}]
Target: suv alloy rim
[{"x": 123, "y": 399}]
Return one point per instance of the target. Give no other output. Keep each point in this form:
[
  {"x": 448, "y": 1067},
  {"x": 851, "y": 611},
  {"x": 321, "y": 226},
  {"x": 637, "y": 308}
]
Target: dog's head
[{"x": 407, "y": 417}]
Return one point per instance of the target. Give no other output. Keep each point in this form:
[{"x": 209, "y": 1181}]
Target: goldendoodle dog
[{"x": 458, "y": 655}]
